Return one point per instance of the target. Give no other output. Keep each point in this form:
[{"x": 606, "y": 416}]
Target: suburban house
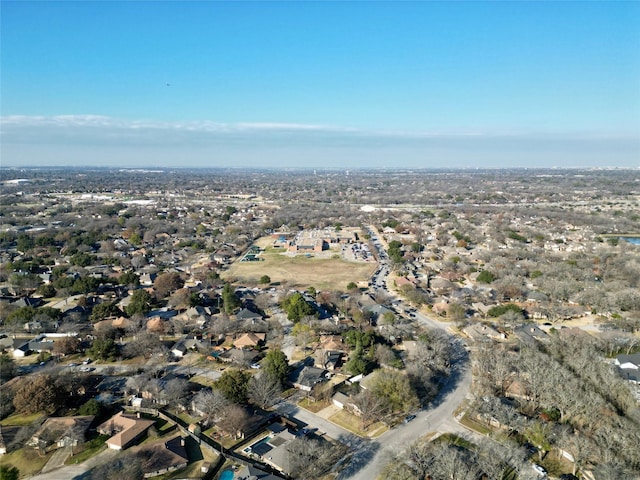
[
  {"x": 334, "y": 343},
  {"x": 244, "y": 314},
  {"x": 341, "y": 400},
  {"x": 628, "y": 361},
  {"x": 273, "y": 448},
  {"x": 195, "y": 315},
  {"x": 308, "y": 377},
  {"x": 249, "y": 340},
  {"x": 120, "y": 322},
  {"x": 21, "y": 350},
  {"x": 531, "y": 333},
  {"x": 330, "y": 352},
  {"x": 162, "y": 457},
  {"x": 156, "y": 324},
  {"x": 329, "y": 360},
  {"x": 249, "y": 472},
  {"x": 59, "y": 432},
  {"x": 182, "y": 346},
  {"x": 629, "y": 367},
  {"x": 124, "y": 430},
  {"x": 482, "y": 331},
  {"x": 238, "y": 356}
]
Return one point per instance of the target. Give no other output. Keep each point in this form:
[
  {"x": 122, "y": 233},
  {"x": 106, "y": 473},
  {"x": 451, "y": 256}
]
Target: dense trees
[
  {"x": 230, "y": 300},
  {"x": 140, "y": 303},
  {"x": 563, "y": 382},
  {"x": 7, "y": 367},
  {"x": 276, "y": 365},
  {"x": 395, "y": 251},
  {"x": 452, "y": 457},
  {"x": 166, "y": 283},
  {"x": 66, "y": 345},
  {"x": 37, "y": 393},
  {"x": 103, "y": 348},
  {"x": 234, "y": 385},
  {"x": 9, "y": 472},
  {"x": 297, "y": 307},
  {"x": 394, "y": 391}
]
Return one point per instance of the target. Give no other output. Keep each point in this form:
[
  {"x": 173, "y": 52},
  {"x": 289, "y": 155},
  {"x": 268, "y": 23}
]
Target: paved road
[
  {"x": 438, "y": 417},
  {"x": 370, "y": 456}
]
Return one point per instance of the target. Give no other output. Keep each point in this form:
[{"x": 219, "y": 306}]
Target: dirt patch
[{"x": 300, "y": 271}]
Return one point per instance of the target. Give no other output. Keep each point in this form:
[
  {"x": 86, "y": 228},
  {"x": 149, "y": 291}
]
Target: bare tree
[
  {"x": 312, "y": 458},
  {"x": 371, "y": 407},
  {"x": 264, "y": 390},
  {"x": 174, "y": 390},
  {"x": 211, "y": 403},
  {"x": 234, "y": 420}
]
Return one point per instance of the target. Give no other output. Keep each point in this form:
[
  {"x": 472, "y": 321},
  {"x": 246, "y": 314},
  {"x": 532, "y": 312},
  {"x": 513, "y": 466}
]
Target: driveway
[
  {"x": 76, "y": 472},
  {"x": 57, "y": 459}
]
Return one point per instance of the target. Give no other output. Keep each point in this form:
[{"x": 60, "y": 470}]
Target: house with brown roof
[
  {"x": 119, "y": 322},
  {"x": 58, "y": 432},
  {"x": 249, "y": 340},
  {"x": 156, "y": 324},
  {"x": 334, "y": 343},
  {"x": 162, "y": 457},
  {"x": 124, "y": 430}
]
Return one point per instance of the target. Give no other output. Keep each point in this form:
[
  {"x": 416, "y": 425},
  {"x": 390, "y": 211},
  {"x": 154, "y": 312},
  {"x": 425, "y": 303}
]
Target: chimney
[{"x": 182, "y": 441}]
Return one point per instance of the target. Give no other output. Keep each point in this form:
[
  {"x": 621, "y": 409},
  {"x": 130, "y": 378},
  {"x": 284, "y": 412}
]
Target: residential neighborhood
[{"x": 260, "y": 325}]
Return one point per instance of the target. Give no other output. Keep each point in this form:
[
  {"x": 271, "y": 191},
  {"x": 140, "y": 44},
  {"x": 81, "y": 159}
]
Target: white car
[
  {"x": 540, "y": 469},
  {"x": 256, "y": 366}
]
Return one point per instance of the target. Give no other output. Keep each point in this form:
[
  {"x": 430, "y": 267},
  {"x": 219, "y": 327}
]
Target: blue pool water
[{"x": 226, "y": 475}]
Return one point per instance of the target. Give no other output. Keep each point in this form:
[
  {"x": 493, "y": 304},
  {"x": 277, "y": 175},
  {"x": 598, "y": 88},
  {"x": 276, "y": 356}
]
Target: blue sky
[{"x": 335, "y": 84}]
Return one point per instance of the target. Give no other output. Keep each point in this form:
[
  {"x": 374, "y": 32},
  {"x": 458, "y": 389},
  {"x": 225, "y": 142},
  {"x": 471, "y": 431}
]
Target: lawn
[
  {"x": 354, "y": 424},
  {"x": 21, "y": 419},
  {"x": 301, "y": 271},
  {"x": 473, "y": 425},
  {"x": 312, "y": 406},
  {"x": 27, "y": 460},
  {"x": 91, "y": 448}
]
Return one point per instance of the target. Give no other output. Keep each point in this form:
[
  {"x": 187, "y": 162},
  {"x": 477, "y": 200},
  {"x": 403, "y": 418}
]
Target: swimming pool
[{"x": 226, "y": 475}]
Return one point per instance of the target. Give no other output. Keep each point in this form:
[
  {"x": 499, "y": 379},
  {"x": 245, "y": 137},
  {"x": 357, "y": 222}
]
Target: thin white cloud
[
  {"x": 80, "y": 125},
  {"x": 97, "y": 139}
]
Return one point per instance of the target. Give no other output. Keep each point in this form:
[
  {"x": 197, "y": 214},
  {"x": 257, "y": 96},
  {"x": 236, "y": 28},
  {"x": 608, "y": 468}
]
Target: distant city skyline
[{"x": 320, "y": 84}]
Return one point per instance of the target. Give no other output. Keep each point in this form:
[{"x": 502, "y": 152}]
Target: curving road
[
  {"x": 369, "y": 460},
  {"x": 370, "y": 456}
]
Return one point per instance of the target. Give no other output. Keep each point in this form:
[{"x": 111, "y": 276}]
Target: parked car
[
  {"x": 408, "y": 418},
  {"x": 540, "y": 469}
]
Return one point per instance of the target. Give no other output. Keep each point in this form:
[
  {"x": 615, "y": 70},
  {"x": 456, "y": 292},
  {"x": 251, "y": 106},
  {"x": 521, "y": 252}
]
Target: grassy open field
[{"x": 300, "y": 271}]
